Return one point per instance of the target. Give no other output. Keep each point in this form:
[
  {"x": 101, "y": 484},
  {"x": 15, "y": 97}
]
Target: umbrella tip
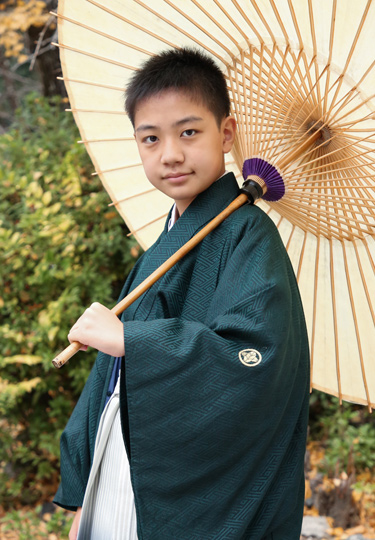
[{"x": 262, "y": 180}]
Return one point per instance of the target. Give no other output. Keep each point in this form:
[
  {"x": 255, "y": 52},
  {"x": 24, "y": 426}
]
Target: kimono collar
[{"x": 174, "y": 217}]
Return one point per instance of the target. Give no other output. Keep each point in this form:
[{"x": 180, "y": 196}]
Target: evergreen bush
[
  {"x": 346, "y": 432},
  {"x": 62, "y": 249}
]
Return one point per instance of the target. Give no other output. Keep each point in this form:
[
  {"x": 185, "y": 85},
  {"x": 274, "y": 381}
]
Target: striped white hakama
[{"x": 108, "y": 511}]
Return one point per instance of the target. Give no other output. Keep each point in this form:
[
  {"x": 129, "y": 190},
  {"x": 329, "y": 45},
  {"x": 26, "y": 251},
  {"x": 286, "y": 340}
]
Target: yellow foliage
[
  {"x": 22, "y": 58},
  {"x": 15, "y": 20},
  {"x": 27, "y": 386},
  {"x": 360, "y": 529},
  {"x": 57, "y": 238},
  {"x": 52, "y": 333},
  {"x": 27, "y": 359},
  {"x": 66, "y": 224},
  {"x": 47, "y": 198},
  {"x": 336, "y": 531},
  {"x": 34, "y": 189},
  {"x": 70, "y": 248},
  {"x": 15, "y": 237},
  {"x": 110, "y": 215},
  {"x": 17, "y": 389},
  {"x": 308, "y": 492},
  {"x": 56, "y": 208},
  {"x": 44, "y": 318}
]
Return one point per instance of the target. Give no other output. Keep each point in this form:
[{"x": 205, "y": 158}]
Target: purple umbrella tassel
[{"x": 268, "y": 173}]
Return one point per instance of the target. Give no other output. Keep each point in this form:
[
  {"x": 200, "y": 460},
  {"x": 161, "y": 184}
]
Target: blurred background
[{"x": 62, "y": 248}]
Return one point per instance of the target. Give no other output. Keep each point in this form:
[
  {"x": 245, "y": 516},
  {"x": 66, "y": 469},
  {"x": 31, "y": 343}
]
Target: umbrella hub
[
  {"x": 325, "y": 132},
  {"x": 262, "y": 179}
]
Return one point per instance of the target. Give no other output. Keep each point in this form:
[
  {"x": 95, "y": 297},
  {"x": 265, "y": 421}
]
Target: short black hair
[{"x": 187, "y": 70}]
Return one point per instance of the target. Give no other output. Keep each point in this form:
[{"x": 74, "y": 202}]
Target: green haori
[{"x": 215, "y": 385}]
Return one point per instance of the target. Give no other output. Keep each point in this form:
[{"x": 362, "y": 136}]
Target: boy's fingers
[
  {"x": 95, "y": 308},
  {"x": 72, "y": 336},
  {"x": 99, "y": 328}
]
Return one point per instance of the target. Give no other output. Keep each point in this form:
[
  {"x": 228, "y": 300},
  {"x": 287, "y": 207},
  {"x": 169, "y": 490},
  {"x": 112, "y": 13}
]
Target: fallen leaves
[{"x": 362, "y": 488}]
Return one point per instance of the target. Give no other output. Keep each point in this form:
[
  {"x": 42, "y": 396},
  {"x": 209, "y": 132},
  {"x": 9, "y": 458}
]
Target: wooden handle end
[{"x": 66, "y": 354}]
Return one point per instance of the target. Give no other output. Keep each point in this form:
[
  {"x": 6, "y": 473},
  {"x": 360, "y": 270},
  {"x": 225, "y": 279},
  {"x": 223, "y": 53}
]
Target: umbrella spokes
[{"x": 301, "y": 81}]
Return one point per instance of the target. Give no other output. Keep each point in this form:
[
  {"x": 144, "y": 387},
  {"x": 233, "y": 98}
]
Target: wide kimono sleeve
[
  {"x": 215, "y": 411},
  {"x": 78, "y": 438}
]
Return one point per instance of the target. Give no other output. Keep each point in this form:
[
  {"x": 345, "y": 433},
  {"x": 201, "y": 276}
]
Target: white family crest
[{"x": 250, "y": 357}]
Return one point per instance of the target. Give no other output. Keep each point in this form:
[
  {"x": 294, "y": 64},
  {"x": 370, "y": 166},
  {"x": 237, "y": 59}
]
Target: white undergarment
[{"x": 108, "y": 511}]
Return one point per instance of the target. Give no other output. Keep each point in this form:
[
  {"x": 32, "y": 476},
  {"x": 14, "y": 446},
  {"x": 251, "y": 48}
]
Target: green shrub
[
  {"x": 62, "y": 249},
  {"x": 347, "y": 433}
]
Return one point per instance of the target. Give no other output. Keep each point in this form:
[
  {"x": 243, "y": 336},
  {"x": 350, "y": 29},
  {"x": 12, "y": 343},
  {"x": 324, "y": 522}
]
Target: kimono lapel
[{"x": 203, "y": 209}]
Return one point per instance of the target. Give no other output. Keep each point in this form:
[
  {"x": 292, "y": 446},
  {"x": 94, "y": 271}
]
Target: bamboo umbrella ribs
[{"x": 301, "y": 77}]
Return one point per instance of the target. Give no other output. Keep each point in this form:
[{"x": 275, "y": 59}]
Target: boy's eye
[
  {"x": 150, "y": 139},
  {"x": 189, "y": 132}
]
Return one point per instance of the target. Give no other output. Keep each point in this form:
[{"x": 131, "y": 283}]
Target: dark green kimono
[{"x": 214, "y": 389}]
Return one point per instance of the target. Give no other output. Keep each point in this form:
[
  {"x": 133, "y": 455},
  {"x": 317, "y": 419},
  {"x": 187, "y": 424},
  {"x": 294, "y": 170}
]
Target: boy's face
[{"x": 181, "y": 146}]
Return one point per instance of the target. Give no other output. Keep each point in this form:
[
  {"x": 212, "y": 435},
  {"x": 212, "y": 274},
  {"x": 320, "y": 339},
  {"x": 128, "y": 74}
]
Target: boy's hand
[{"x": 100, "y": 328}]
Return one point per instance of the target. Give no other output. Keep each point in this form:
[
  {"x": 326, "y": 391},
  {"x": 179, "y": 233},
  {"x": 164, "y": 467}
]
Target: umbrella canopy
[{"x": 292, "y": 68}]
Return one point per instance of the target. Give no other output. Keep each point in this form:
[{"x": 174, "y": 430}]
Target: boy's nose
[{"x": 171, "y": 153}]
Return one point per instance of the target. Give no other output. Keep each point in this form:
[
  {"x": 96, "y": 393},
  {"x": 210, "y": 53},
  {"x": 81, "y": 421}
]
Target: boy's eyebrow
[
  {"x": 187, "y": 119},
  {"x": 146, "y": 127}
]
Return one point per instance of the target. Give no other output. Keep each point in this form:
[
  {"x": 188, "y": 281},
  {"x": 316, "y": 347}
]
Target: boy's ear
[{"x": 228, "y": 127}]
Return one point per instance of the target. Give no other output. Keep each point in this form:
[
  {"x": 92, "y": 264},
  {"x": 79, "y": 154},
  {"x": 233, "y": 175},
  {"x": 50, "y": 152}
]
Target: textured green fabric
[{"x": 216, "y": 447}]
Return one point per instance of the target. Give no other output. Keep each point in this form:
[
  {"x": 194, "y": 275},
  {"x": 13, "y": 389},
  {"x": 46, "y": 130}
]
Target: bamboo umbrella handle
[
  {"x": 248, "y": 195},
  {"x": 74, "y": 347}
]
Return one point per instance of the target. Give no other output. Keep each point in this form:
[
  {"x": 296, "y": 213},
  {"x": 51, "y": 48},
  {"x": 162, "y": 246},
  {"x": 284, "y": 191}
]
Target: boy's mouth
[{"x": 177, "y": 176}]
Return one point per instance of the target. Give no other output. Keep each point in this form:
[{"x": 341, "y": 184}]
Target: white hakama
[{"x": 108, "y": 511}]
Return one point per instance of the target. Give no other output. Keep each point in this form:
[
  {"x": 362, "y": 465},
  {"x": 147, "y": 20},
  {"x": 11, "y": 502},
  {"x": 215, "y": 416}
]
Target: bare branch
[
  {"x": 17, "y": 77},
  {"x": 49, "y": 47},
  {"x": 40, "y": 42}
]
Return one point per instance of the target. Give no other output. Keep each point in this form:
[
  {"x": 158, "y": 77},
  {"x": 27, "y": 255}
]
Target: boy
[{"x": 215, "y": 381}]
